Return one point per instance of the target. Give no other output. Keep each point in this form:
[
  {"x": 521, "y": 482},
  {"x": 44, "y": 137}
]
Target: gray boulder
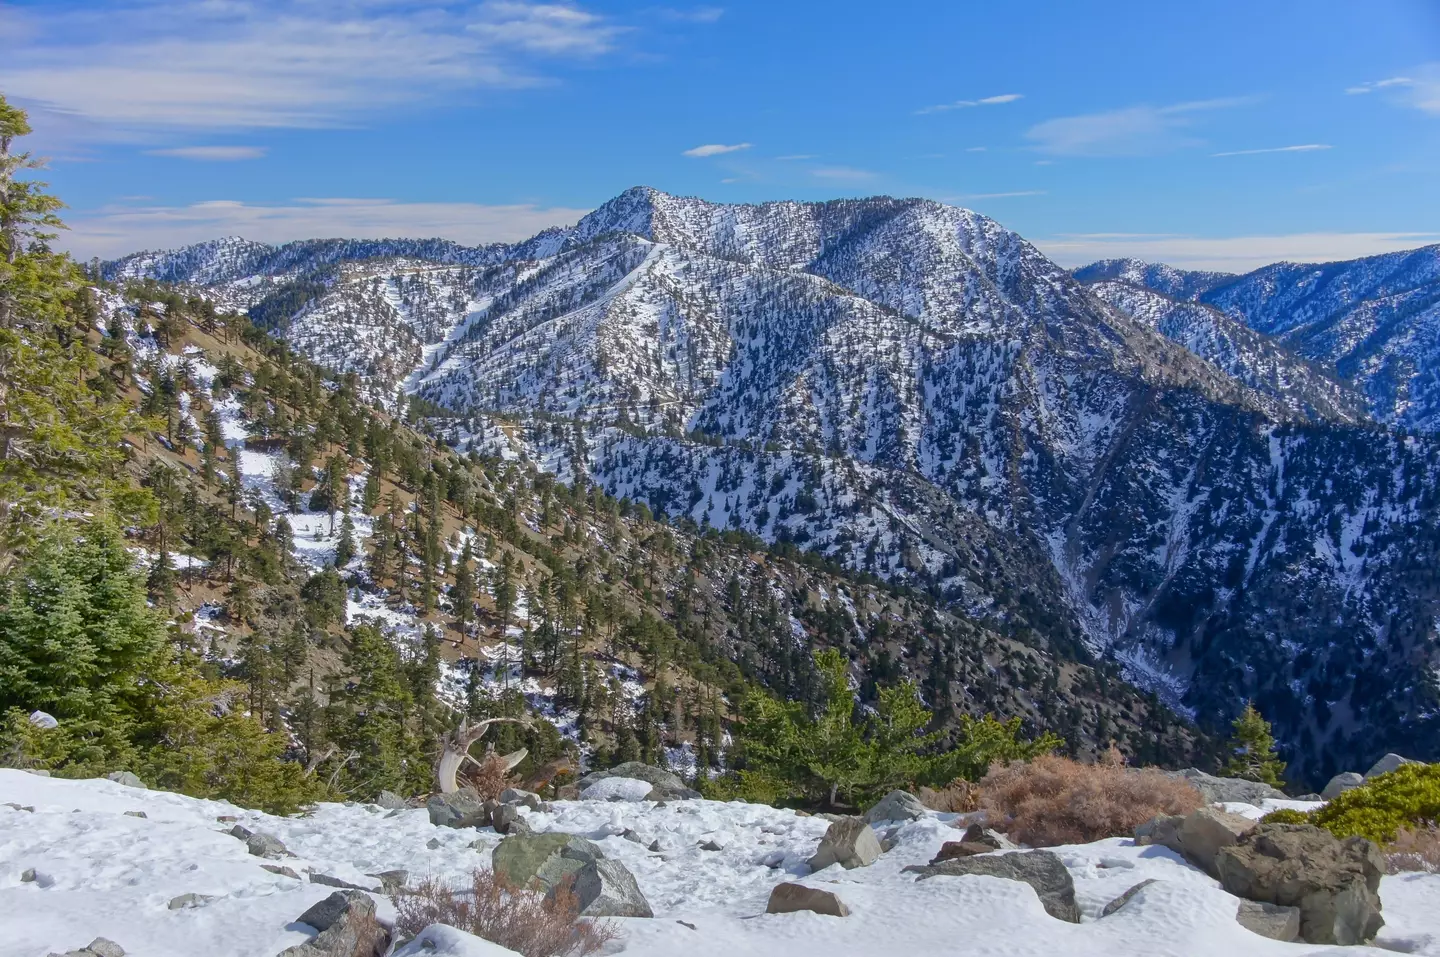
[
  {"x": 464, "y": 808},
  {"x": 664, "y": 785},
  {"x": 1205, "y": 831},
  {"x": 280, "y": 869},
  {"x": 127, "y": 779},
  {"x": 391, "y": 801},
  {"x": 190, "y": 901},
  {"x": 542, "y": 860},
  {"x": 326, "y": 880},
  {"x": 979, "y": 834},
  {"x": 849, "y": 842},
  {"x": 1163, "y": 829},
  {"x": 953, "y": 849},
  {"x": 1334, "y": 883},
  {"x": 1124, "y": 898},
  {"x": 99, "y": 947},
  {"x": 1387, "y": 764},
  {"x": 348, "y": 928},
  {"x": 1341, "y": 783},
  {"x": 1216, "y": 790},
  {"x": 265, "y": 845},
  {"x": 519, "y": 797},
  {"x": 507, "y": 819},
  {"x": 605, "y": 888},
  {"x": 391, "y": 882},
  {"x": 1269, "y": 920},
  {"x": 896, "y": 806},
  {"x": 1042, "y": 870},
  {"x": 788, "y": 898}
]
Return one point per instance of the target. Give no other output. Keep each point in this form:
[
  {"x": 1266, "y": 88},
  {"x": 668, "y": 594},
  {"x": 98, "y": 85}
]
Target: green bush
[
  {"x": 1286, "y": 815},
  {"x": 1408, "y": 797}
]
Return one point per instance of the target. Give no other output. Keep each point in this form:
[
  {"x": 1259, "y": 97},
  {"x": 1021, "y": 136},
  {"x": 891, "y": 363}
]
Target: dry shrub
[
  {"x": 524, "y": 921},
  {"x": 1053, "y": 800},
  {"x": 490, "y": 778},
  {"x": 1414, "y": 850},
  {"x": 957, "y": 797}
]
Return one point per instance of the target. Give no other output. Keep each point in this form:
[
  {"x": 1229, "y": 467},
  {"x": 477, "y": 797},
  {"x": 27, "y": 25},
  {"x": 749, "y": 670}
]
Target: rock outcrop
[
  {"x": 1341, "y": 783},
  {"x": 788, "y": 898},
  {"x": 348, "y": 928},
  {"x": 849, "y": 842},
  {"x": 1217, "y": 790},
  {"x": 1042, "y": 870},
  {"x": 664, "y": 785},
  {"x": 896, "y": 806},
  {"x": 463, "y": 808}
]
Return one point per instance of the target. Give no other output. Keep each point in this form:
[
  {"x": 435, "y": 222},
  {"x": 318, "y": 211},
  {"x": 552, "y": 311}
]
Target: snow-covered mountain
[
  {"x": 912, "y": 389},
  {"x": 1373, "y": 322}
]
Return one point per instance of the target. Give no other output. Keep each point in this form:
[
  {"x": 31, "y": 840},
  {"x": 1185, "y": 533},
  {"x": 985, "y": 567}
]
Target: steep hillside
[{"x": 911, "y": 390}]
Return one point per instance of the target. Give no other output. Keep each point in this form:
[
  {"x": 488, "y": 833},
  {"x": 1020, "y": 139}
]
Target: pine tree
[
  {"x": 1252, "y": 750},
  {"x": 345, "y": 547},
  {"x": 462, "y": 596}
]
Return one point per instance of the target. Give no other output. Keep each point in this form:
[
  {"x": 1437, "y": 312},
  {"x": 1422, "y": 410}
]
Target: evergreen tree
[
  {"x": 1252, "y": 750},
  {"x": 345, "y": 547}
]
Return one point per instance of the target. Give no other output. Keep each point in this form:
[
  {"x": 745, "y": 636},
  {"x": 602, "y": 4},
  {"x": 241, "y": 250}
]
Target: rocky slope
[{"x": 911, "y": 389}]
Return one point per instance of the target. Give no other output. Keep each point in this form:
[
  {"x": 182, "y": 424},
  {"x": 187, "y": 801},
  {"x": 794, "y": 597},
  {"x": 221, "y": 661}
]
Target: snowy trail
[{"x": 102, "y": 873}]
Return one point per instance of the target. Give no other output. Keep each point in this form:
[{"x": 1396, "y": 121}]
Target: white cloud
[
  {"x": 216, "y": 154},
  {"x": 116, "y": 230},
  {"x": 1227, "y": 254},
  {"x": 1420, "y": 91},
  {"x": 714, "y": 149},
  {"x": 796, "y": 156},
  {"x": 842, "y": 174},
  {"x": 216, "y": 64},
  {"x": 967, "y": 104},
  {"x": 692, "y": 15},
  {"x": 1301, "y": 148},
  {"x": 975, "y": 149},
  {"x": 1133, "y": 131},
  {"x": 1018, "y": 192},
  {"x": 1380, "y": 85}
]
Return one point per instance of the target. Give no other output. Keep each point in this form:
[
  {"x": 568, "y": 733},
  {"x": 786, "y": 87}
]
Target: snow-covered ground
[{"x": 99, "y": 872}]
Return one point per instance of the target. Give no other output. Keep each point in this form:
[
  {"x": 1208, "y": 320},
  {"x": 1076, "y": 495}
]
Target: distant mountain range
[{"x": 1193, "y": 472}]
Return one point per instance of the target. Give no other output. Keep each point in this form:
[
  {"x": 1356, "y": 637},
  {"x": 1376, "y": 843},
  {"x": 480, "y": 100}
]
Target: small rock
[
  {"x": 979, "y": 834},
  {"x": 392, "y": 882},
  {"x": 518, "y": 796},
  {"x": 27, "y": 876},
  {"x": 391, "y": 801},
  {"x": 1163, "y": 830},
  {"x": 141, "y": 814},
  {"x": 1269, "y": 920},
  {"x": 227, "y": 819},
  {"x": 1042, "y": 870},
  {"x": 789, "y": 898},
  {"x": 280, "y": 869},
  {"x": 1341, "y": 783},
  {"x": 1387, "y": 764},
  {"x": 1312, "y": 796},
  {"x": 654, "y": 845},
  {"x": 712, "y": 845},
  {"x": 127, "y": 779},
  {"x": 507, "y": 818},
  {"x": 896, "y": 806},
  {"x": 952, "y": 850},
  {"x": 240, "y": 831},
  {"x": 849, "y": 842},
  {"x": 266, "y": 845},
  {"x": 328, "y": 881},
  {"x": 189, "y": 901},
  {"x": 20, "y": 807},
  {"x": 103, "y": 947},
  {"x": 464, "y": 808},
  {"x": 322, "y": 915},
  {"x": 1124, "y": 898},
  {"x": 433, "y": 844},
  {"x": 630, "y": 834}
]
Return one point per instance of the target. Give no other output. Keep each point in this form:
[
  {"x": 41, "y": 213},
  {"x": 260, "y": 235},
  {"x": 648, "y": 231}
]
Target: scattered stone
[
  {"x": 1341, "y": 783},
  {"x": 266, "y": 845},
  {"x": 1042, "y": 870},
  {"x": 1269, "y": 920},
  {"x": 227, "y": 819},
  {"x": 28, "y": 876},
  {"x": 654, "y": 845},
  {"x": 789, "y": 898},
  {"x": 952, "y": 850},
  {"x": 630, "y": 834},
  {"x": 1163, "y": 830},
  {"x": 280, "y": 869},
  {"x": 1206, "y": 831},
  {"x": 433, "y": 844},
  {"x": 391, "y": 801},
  {"x": 849, "y": 842},
  {"x": 328, "y": 881},
  {"x": 1225, "y": 790},
  {"x": 606, "y": 888},
  {"x": 103, "y": 947},
  {"x": 1334, "y": 883},
  {"x": 347, "y": 925},
  {"x": 190, "y": 901},
  {"x": 712, "y": 845},
  {"x": 979, "y": 834},
  {"x": 20, "y": 807},
  {"x": 896, "y": 806},
  {"x": 140, "y": 814},
  {"x": 542, "y": 860},
  {"x": 507, "y": 819},
  {"x": 240, "y": 831},
  {"x": 464, "y": 808},
  {"x": 517, "y": 796},
  {"x": 392, "y": 882},
  {"x": 1124, "y": 898},
  {"x": 664, "y": 785},
  {"x": 686, "y": 923},
  {"x": 1387, "y": 764},
  {"x": 1312, "y": 796},
  {"x": 127, "y": 779}
]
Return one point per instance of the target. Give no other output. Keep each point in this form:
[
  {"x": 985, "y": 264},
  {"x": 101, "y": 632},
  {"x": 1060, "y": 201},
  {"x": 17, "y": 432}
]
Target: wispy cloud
[
  {"x": 967, "y": 104},
  {"x": 1013, "y": 193},
  {"x": 688, "y": 15},
  {"x": 1301, "y": 148},
  {"x": 215, "y": 64},
  {"x": 975, "y": 149},
  {"x": 842, "y": 174},
  {"x": 1133, "y": 131},
  {"x": 1420, "y": 91},
  {"x": 796, "y": 156},
  {"x": 1227, "y": 254},
  {"x": 715, "y": 149},
  {"x": 1379, "y": 85},
  {"x": 115, "y": 230},
  {"x": 214, "y": 154}
]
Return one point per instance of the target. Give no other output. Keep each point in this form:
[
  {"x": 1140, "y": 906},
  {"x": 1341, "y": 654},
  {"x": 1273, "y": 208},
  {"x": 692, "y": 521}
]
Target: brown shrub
[
  {"x": 1414, "y": 850},
  {"x": 490, "y": 778},
  {"x": 525, "y": 921},
  {"x": 1053, "y": 800},
  {"x": 957, "y": 797}
]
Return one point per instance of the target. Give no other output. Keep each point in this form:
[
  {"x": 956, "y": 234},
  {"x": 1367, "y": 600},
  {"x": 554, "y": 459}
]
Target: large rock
[
  {"x": 980, "y": 834},
  {"x": 1341, "y": 783},
  {"x": 1387, "y": 764},
  {"x": 1163, "y": 829},
  {"x": 266, "y": 845},
  {"x": 391, "y": 801},
  {"x": 1206, "y": 831},
  {"x": 788, "y": 898},
  {"x": 1042, "y": 870},
  {"x": 664, "y": 785},
  {"x": 507, "y": 819},
  {"x": 619, "y": 789},
  {"x": 542, "y": 860},
  {"x": 521, "y": 797},
  {"x": 1269, "y": 920},
  {"x": 896, "y": 806},
  {"x": 605, "y": 888},
  {"x": 126, "y": 778},
  {"x": 464, "y": 808},
  {"x": 1217, "y": 790},
  {"x": 1334, "y": 883},
  {"x": 99, "y": 947},
  {"x": 348, "y": 928},
  {"x": 849, "y": 842}
]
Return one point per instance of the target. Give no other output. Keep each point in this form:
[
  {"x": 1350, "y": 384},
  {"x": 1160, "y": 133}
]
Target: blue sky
[{"x": 1220, "y": 134}]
